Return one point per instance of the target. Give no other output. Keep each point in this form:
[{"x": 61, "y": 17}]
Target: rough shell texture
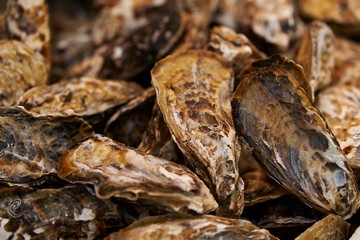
[
  {"x": 20, "y": 69},
  {"x": 28, "y": 21},
  {"x": 236, "y": 48},
  {"x": 340, "y": 104},
  {"x": 83, "y": 97},
  {"x": 157, "y": 139},
  {"x": 331, "y": 227},
  {"x": 129, "y": 55},
  {"x": 30, "y": 147},
  {"x": 120, "y": 171},
  {"x": 129, "y": 122},
  {"x": 190, "y": 227},
  {"x": 316, "y": 54},
  {"x": 193, "y": 92},
  {"x": 283, "y": 63},
  {"x": 275, "y": 22},
  {"x": 72, "y": 212},
  {"x": 292, "y": 142}
]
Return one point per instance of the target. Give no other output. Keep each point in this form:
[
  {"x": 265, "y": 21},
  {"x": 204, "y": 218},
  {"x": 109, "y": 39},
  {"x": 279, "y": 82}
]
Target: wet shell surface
[
  {"x": 83, "y": 97},
  {"x": 316, "y": 55},
  {"x": 340, "y": 104},
  {"x": 20, "y": 69},
  {"x": 123, "y": 172},
  {"x": 331, "y": 227},
  {"x": 193, "y": 92},
  {"x": 292, "y": 142},
  {"x": 191, "y": 227},
  {"x": 30, "y": 147},
  {"x": 72, "y": 212}
]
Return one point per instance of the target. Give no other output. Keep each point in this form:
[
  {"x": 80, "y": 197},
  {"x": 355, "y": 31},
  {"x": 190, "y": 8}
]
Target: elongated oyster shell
[
  {"x": 28, "y": 21},
  {"x": 30, "y": 147},
  {"x": 120, "y": 171},
  {"x": 85, "y": 97},
  {"x": 130, "y": 54},
  {"x": 340, "y": 104},
  {"x": 193, "y": 92},
  {"x": 316, "y": 55},
  {"x": 331, "y": 227},
  {"x": 72, "y": 212},
  {"x": 291, "y": 140},
  {"x": 281, "y": 62},
  {"x": 20, "y": 69},
  {"x": 129, "y": 122},
  {"x": 191, "y": 227}
]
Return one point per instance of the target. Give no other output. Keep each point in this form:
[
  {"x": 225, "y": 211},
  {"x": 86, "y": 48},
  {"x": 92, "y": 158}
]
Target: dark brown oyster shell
[
  {"x": 290, "y": 139},
  {"x": 28, "y": 21},
  {"x": 283, "y": 63},
  {"x": 123, "y": 172},
  {"x": 191, "y": 227},
  {"x": 30, "y": 147},
  {"x": 331, "y": 227},
  {"x": 128, "y": 124},
  {"x": 193, "y": 92},
  {"x": 340, "y": 104},
  {"x": 20, "y": 69},
  {"x": 72, "y": 212},
  {"x": 130, "y": 54},
  {"x": 316, "y": 55},
  {"x": 84, "y": 97}
]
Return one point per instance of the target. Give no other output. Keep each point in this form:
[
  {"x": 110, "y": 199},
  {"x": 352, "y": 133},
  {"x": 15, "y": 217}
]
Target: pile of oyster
[{"x": 168, "y": 119}]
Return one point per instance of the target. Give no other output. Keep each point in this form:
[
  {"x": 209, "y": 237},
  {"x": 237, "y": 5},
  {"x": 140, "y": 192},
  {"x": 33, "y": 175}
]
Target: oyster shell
[
  {"x": 281, "y": 62},
  {"x": 316, "y": 55},
  {"x": 123, "y": 172},
  {"x": 84, "y": 97},
  {"x": 130, "y": 54},
  {"x": 193, "y": 92},
  {"x": 129, "y": 122},
  {"x": 236, "y": 48},
  {"x": 28, "y": 21},
  {"x": 20, "y": 69},
  {"x": 191, "y": 227},
  {"x": 340, "y": 104},
  {"x": 30, "y": 147},
  {"x": 331, "y": 227},
  {"x": 72, "y": 212},
  {"x": 290, "y": 139}
]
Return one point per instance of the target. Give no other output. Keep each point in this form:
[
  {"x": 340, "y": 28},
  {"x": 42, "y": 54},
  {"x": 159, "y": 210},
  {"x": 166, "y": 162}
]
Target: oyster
[
  {"x": 236, "y": 48},
  {"x": 316, "y": 55},
  {"x": 20, "y": 69},
  {"x": 72, "y": 212},
  {"x": 123, "y": 172},
  {"x": 331, "y": 227},
  {"x": 193, "y": 92},
  {"x": 129, "y": 122},
  {"x": 191, "y": 227},
  {"x": 30, "y": 147},
  {"x": 162, "y": 23},
  {"x": 340, "y": 104},
  {"x": 281, "y": 62},
  {"x": 28, "y": 21},
  {"x": 84, "y": 97},
  {"x": 290, "y": 139}
]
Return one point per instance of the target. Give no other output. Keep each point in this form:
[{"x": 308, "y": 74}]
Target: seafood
[
  {"x": 123, "y": 172},
  {"x": 291, "y": 140}
]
